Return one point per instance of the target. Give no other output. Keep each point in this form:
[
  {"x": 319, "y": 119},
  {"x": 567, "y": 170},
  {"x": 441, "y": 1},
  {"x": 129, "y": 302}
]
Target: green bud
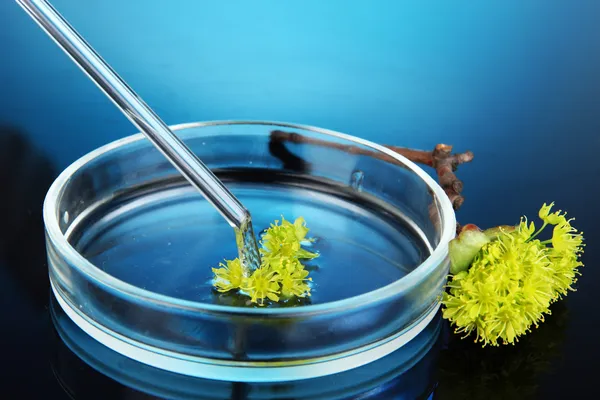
[{"x": 465, "y": 247}]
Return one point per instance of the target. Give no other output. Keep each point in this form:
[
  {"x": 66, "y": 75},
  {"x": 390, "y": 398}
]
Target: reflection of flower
[
  {"x": 467, "y": 371},
  {"x": 281, "y": 275},
  {"x": 513, "y": 279}
]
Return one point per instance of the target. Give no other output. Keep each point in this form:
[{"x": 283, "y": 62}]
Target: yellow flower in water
[
  {"x": 281, "y": 273},
  {"x": 513, "y": 280},
  {"x": 300, "y": 229},
  {"x": 229, "y": 276},
  {"x": 294, "y": 283},
  {"x": 282, "y": 265},
  {"x": 262, "y": 284},
  {"x": 284, "y": 241}
]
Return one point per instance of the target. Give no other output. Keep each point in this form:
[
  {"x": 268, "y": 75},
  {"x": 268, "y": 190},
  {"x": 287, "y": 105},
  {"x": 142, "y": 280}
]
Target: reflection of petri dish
[
  {"x": 131, "y": 247},
  {"x": 405, "y": 373}
]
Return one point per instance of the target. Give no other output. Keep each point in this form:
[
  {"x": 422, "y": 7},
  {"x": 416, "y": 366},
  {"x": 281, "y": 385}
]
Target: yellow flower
[
  {"x": 526, "y": 231},
  {"x": 284, "y": 242},
  {"x": 507, "y": 324},
  {"x": 566, "y": 239},
  {"x": 545, "y": 211},
  {"x": 565, "y": 272},
  {"x": 300, "y": 229},
  {"x": 513, "y": 280},
  {"x": 282, "y": 265},
  {"x": 294, "y": 283},
  {"x": 230, "y": 276},
  {"x": 547, "y": 217},
  {"x": 281, "y": 273},
  {"x": 262, "y": 284}
]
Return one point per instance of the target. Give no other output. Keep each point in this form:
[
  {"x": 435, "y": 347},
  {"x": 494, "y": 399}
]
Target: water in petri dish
[{"x": 165, "y": 238}]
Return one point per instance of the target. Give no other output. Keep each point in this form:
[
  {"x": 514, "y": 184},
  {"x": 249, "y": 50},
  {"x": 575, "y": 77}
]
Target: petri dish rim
[{"x": 76, "y": 260}]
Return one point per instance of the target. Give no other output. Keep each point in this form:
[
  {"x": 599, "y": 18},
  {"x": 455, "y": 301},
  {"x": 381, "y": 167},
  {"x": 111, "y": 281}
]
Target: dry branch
[{"x": 440, "y": 158}]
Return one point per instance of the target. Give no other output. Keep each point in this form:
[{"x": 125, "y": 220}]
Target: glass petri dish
[{"x": 131, "y": 245}]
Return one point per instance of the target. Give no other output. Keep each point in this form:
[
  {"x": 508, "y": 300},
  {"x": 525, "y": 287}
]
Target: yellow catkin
[{"x": 513, "y": 280}]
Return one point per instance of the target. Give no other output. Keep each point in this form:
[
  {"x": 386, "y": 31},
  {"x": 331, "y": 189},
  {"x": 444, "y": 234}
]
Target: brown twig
[{"x": 440, "y": 158}]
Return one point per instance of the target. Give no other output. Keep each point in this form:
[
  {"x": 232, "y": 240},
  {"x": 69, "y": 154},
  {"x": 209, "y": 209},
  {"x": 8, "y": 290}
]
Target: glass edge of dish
[{"x": 51, "y": 221}]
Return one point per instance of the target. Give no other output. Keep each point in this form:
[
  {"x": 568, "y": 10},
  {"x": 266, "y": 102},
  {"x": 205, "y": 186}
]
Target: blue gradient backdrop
[{"x": 517, "y": 82}]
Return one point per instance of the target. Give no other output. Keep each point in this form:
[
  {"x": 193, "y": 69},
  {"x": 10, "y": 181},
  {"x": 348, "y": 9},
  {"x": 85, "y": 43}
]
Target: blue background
[{"x": 517, "y": 82}]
